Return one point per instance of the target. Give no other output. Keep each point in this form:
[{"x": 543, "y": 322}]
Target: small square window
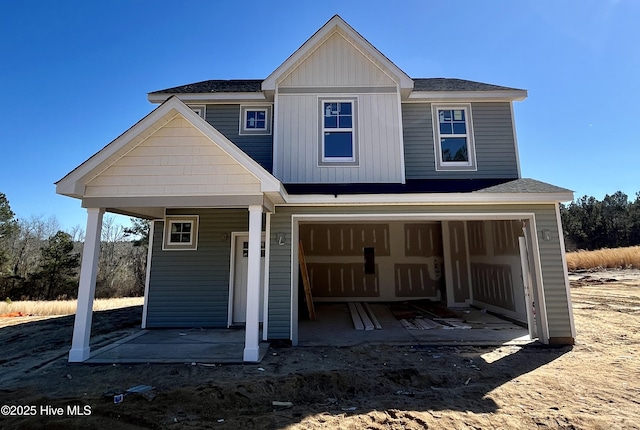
[
  {"x": 180, "y": 232},
  {"x": 255, "y": 120},
  {"x": 200, "y": 110},
  {"x": 453, "y": 137}
]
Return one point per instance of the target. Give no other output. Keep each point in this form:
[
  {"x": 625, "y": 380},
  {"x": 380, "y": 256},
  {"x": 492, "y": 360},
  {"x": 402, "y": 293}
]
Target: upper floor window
[
  {"x": 255, "y": 120},
  {"x": 180, "y": 232},
  {"x": 199, "y": 109},
  {"x": 453, "y": 137},
  {"x": 338, "y": 133}
]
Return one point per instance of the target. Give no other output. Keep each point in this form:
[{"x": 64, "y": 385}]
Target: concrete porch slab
[{"x": 177, "y": 346}]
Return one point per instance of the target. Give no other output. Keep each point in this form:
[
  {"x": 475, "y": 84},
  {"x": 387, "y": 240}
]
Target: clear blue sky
[{"x": 74, "y": 74}]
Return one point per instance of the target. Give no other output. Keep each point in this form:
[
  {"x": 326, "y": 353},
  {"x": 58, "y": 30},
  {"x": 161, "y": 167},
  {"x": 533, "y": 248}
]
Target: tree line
[
  {"x": 591, "y": 224},
  {"x": 40, "y": 261}
]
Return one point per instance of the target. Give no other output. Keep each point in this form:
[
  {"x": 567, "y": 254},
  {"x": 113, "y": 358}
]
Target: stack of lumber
[{"x": 363, "y": 317}]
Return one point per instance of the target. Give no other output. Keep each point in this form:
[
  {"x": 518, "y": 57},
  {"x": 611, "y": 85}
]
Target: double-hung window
[
  {"x": 453, "y": 137},
  {"x": 338, "y": 131}
]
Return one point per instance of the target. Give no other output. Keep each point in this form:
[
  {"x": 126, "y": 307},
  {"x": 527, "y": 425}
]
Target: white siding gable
[
  {"x": 337, "y": 62},
  {"x": 177, "y": 159}
]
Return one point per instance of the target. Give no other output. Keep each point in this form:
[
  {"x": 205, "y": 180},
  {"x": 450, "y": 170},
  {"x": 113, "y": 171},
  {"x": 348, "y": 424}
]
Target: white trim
[
  {"x": 147, "y": 278},
  {"x": 440, "y": 164},
  {"x": 337, "y": 24},
  {"x": 73, "y": 184},
  {"x": 208, "y": 97},
  {"x": 201, "y": 110},
  {"x": 490, "y": 96},
  {"x": 252, "y": 323},
  {"x": 403, "y": 173},
  {"x": 232, "y": 271},
  {"x": 565, "y": 270},
  {"x": 541, "y": 308},
  {"x": 275, "y": 167},
  {"x": 528, "y": 216},
  {"x": 323, "y": 160},
  {"x": 477, "y": 197},
  {"x": 515, "y": 139},
  {"x": 265, "y": 282},
  {"x": 80, "y": 349},
  {"x": 192, "y": 245}
]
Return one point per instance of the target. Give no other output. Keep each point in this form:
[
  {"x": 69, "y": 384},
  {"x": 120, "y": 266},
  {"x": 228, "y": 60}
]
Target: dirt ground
[{"x": 592, "y": 385}]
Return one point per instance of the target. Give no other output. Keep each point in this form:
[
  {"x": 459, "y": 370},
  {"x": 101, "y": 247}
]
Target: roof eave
[
  {"x": 505, "y": 95},
  {"x": 209, "y": 97},
  {"x": 474, "y": 198}
]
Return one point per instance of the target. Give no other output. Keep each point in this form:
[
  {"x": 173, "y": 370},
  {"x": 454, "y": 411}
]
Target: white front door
[{"x": 239, "y": 291}]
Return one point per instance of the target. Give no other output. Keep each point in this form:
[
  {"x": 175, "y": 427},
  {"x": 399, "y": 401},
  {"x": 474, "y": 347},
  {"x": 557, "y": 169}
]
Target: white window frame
[
  {"x": 245, "y": 109},
  {"x": 344, "y": 161},
  {"x": 192, "y": 245},
  {"x": 470, "y": 164},
  {"x": 200, "y": 110}
]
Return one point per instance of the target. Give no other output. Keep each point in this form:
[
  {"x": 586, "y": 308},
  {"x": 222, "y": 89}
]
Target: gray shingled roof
[
  {"x": 453, "y": 84},
  {"x": 217, "y": 86},
  {"x": 524, "y": 185},
  {"x": 254, "y": 85}
]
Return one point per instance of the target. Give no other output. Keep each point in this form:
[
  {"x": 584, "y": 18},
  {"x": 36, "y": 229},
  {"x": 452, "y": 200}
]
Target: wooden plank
[
  {"x": 306, "y": 283},
  {"x": 374, "y": 320},
  {"x": 368, "y": 325},
  {"x": 355, "y": 317},
  {"x": 406, "y": 324}
]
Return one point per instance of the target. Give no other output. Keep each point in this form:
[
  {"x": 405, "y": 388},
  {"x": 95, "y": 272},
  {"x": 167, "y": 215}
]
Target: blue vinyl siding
[
  {"x": 191, "y": 288},
  {"x": 226, "y": 119},
  {"x": 496, "y": 155}
]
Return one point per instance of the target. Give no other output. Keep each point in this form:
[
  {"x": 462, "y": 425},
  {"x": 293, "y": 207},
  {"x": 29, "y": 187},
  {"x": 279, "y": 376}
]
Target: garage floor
[{"x": 334, "y": 327}]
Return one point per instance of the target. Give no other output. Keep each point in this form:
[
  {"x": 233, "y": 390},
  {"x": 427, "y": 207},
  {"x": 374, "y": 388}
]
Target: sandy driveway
[{"x": 595, "y": 384}]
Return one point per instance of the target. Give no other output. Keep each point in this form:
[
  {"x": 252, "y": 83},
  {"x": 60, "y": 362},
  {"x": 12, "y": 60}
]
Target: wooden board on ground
[
  {"x": 366, "y": 321},
  {"x": 306, "y": 283},
  {"x": 374, "y": 320},
  {"x": 355, "y": 317}
]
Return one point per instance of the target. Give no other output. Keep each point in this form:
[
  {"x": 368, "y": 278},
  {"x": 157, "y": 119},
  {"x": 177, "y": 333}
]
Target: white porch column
[
  {"x": 87, "y": 287},
  {"x": 252, "y": 327}
]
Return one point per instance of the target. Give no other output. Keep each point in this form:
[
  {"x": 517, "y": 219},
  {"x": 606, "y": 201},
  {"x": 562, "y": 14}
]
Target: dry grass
[
  {"x": 628, "y": 258},
  {"x": 65, "y": 307}
]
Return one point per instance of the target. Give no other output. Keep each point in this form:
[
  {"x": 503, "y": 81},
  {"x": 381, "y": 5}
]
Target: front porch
[{"x": 206, "y": 346}]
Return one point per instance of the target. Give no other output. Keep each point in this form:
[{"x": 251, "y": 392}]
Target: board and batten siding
[
  {"x": 336, "y": 62},
  {"x": 378, "y": 141},
  {"x": 550, "y": 257},
  {"x": 177, "y": 159},
  {"x": 496, "y": 155},
  {"x": 226, "y": 119},
  {"x": 191, "y": 288}
]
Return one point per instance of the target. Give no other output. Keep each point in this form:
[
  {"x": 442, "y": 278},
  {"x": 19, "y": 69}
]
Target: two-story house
[{"x": 396, "y": 188}]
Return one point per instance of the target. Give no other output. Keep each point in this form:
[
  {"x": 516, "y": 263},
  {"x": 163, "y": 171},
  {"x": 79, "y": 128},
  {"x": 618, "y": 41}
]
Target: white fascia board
[
  {"x": 71, "y": 184},
  {"x": 209, "y": 97},
  {"x": 437, "y": 96},
  {"x": 335, "y": 24},
  {"x": 476, "y": 198}
]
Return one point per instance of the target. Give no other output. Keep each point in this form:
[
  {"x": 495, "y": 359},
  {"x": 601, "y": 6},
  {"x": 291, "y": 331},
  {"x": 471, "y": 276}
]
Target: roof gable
[
  {"x": 149, "y": 132},
  {"x": 324, "y": 34}
]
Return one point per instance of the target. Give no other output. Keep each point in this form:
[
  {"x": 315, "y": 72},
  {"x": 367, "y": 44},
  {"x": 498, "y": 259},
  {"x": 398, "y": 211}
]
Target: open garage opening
[{"x": 431, "y": 276}]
